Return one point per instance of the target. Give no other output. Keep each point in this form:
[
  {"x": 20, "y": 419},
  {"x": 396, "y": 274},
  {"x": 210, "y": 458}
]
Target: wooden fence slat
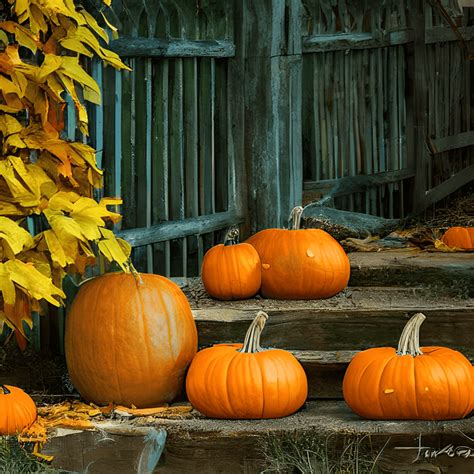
[
  {"x": 180, "y": 228},
  {"x": 447, "y": 187},
  {"x": 453, "y": 142},
  {"x": 345, "y": 41},
  {"x": 148, "y": 157}
]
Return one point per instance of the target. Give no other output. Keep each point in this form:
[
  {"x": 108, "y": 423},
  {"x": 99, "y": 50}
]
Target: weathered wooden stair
[{"x": 385, "y": 290}]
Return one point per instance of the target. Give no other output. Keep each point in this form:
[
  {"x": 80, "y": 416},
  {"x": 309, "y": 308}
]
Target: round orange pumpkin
[
  {"x": 460, "y": 237},
  {"x": 129, "y": 339},
  {"x": 300, "y": 263},
  {"x": 428, "y": 383},
  {"x": 245, "y": 381},
  {"x": 17, "y": 410},
  {"x": 231, "y": 271}
]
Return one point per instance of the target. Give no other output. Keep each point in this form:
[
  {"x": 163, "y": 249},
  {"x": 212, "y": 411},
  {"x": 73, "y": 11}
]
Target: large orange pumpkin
[
  {"x": 300, "y": 263},
  {"x": 246, "y": 381},
  {"x": 129, "y": 339},
  {"x": 460, "y": 237},
  {"x": 231, "y": 271},
  {"x": 428, "y": 383},
  {"x": 17, "y": 410}
]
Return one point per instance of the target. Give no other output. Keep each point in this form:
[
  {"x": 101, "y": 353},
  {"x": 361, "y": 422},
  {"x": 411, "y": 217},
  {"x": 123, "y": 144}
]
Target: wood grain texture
[{"x": 175, "y": 48}]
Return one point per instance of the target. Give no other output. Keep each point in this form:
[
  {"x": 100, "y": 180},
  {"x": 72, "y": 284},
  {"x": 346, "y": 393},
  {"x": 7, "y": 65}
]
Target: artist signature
[{"x": 426, "y": 452}]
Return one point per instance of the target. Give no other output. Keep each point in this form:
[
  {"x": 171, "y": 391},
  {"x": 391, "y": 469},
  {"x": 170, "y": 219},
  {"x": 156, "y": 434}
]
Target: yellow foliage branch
[{"x": 41, "y": 173}]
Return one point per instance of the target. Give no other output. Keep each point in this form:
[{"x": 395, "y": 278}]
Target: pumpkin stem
[
  {"x": 409, "y": 343},
  {"x": 232, "y": 236},
  {"x": 295, "y": 218},
  {"x": 137, "y": 276},
  {"x": 5, "y": 390},
  {"x": 252, "y": 338}
]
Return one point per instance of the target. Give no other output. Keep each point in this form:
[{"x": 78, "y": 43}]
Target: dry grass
[
  {"x": 309, "y": 454},
  {"x": 16, "y": 459}
]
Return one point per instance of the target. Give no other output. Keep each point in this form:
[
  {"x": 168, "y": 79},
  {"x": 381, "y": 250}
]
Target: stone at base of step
[{"x": 202, "y": 445}]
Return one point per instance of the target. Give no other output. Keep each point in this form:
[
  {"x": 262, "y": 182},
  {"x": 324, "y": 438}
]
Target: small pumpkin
[
  {"x": 408, "y": 383},
  {"x": 17, "y": 410},
  {"x": 460, "y": 237},
  {"x": 245, "y": 381},
  {"x": 300, "y": 263},
  {"x": 129, "y": 340},
  {"x": 231, "y": 271}
]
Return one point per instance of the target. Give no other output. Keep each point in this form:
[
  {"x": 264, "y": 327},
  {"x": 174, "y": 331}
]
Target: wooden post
[
  {"x": 418, "y": 109},
  {"x": 272, "y": 103}
]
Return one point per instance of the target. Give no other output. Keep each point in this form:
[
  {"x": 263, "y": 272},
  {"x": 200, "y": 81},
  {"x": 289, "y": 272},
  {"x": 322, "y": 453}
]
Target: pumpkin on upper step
[
  {"x": 300, "y": 263},
  {"x": 231, "y": 271},
  {"x": 460, "y": 237}
]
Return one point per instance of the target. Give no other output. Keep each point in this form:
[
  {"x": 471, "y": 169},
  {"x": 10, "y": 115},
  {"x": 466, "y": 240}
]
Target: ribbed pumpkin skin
[
  {"x": 129, "y": 343},
  {"x": 300, "y": 264},
  {"x": 231, "y": 272},
  {"x": 17, "y": 411},
  {"x": 437, "y": 385},
  {"x": 461, "y": 237},
  {"x": 224, "y": 383}
]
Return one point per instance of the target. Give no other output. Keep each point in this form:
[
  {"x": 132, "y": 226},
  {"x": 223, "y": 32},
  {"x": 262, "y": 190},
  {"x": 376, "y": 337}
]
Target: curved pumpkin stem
[
  {"x": 5, "y": 390},
  {"x": 136, "y": 275},
  {"x": 252, "y": 338},
  {"x": 295, "y": 218},
  {"x": 409, "y": 343},
  {"x": 232, "y": 236}
]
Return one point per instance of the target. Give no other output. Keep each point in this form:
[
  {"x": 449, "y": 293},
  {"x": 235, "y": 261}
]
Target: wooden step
[
  {"x": 414, "y": 267},
  {"x": 197, "y": 444},
  {"x": 325, "y": 334}
]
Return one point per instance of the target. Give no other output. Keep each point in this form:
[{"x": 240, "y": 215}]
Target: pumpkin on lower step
[
  {"x": 460, "y": 237},
  {"x": 245, "y": 381},
  {"x": 300, "y": 263},
  {"x": 129, "y": 339},
  {"x": 410, "y": 383},
  {"x": 17, "y": 410},
  {"x": 231, "y": 271}
]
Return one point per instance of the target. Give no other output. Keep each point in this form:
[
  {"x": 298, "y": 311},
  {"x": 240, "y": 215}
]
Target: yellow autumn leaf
[
  {"x": 63, "y": 201},
  {"x": 110, "y": 26},
  {"x": 50, "y": 64},
  {"x": 58, "y": 255},
  {"x": 22, "y": 10},
  {"x": 37, "y": 19},
  {"x": 18, "y": 312},
  {"x": 4, "y": 38},
  {"x": 9, "y": 125},
  {"x": 19, "y": 192},
  {"x": 112, "y": 250},
  {"x": 13, "y": 237},
  {"x": 26, "y": 276},
  {"x": 76, "y": 46},
  {"x": 7, "y": 288},
  {"x": 92, "y": 22}
]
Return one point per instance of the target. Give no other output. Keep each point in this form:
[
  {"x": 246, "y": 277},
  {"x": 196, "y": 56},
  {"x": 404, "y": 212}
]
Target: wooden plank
[
  {"x": 236, "y": 445},
  {"x": 442, "y": 34},
  {"x": 449, "y": 186},
  {"x": 177, "y": 229},
  {"x": 334, "y": 329},
  {"x": 347, "y": 41},
  {"x": 357, "y": 183},
  {"x": 169, "y": 48},
  {"x": 440, "y": 145}
]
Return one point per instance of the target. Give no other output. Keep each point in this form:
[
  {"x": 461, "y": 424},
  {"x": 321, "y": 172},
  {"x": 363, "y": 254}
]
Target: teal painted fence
[{"x": 238, "y": 110}]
